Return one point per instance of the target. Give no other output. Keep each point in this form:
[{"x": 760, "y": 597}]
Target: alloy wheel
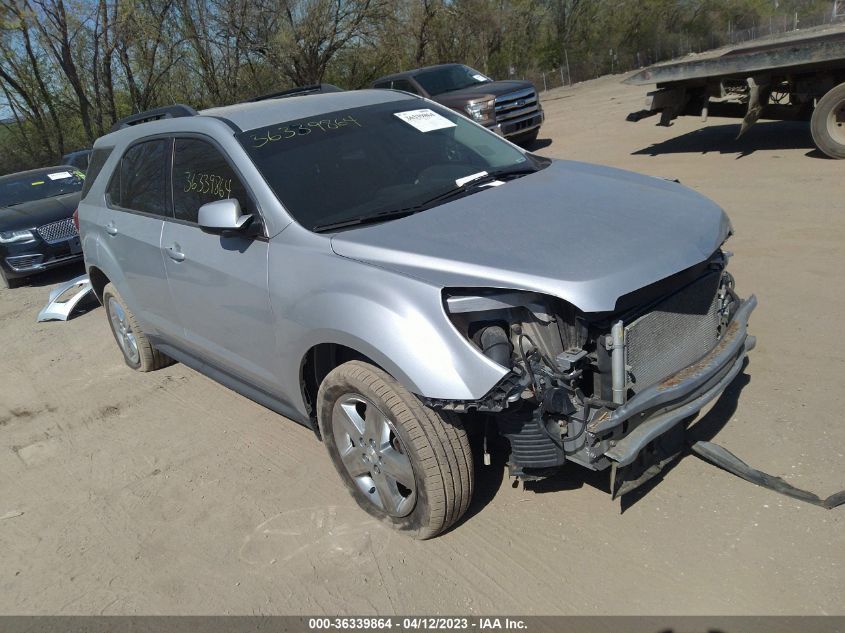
[
  {"x": 373, "y": 455},
  {"x": 123, "y": 331}
]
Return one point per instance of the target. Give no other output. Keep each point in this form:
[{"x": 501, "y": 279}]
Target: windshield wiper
[
  {"x": 364, "y": 219},
  {"x": 465, "y": 187}
]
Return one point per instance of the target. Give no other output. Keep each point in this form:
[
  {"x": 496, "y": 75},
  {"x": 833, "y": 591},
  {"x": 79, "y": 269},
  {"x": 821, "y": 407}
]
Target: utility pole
[{"x": 568, "y": 74}]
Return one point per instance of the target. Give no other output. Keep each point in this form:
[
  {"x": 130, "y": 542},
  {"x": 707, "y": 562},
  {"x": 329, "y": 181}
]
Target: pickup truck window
[
  {"x": 138, "y": 183},
  {"x": 200, "y": 175},
  {"x": 449, "y": 78},
  {"x": 404, "y": 84},
  {"x": 365, "y": 161}
]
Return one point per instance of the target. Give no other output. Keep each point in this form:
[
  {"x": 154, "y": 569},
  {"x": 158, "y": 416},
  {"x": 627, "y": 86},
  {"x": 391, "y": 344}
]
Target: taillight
[{"x": 76, "y": 219}]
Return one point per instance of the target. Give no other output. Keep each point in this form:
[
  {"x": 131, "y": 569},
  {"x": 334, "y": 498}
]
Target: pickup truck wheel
[
  {"x": 406, "y": 464},
  {"x": 528, "y": 139},
  {"x": 137, "y": 350},
  {"x": 828, "y": 123}
]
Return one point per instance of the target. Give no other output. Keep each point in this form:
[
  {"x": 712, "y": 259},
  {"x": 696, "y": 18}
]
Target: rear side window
[
  {"x": 382, "y": 84},
  {"x": 139, "y": 183},
  {"x": 95, "y": 165},
  {"x": 201, "y": 174}
]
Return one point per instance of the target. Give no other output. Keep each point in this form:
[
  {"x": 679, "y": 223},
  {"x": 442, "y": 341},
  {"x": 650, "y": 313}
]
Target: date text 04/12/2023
[{"x": 417, "y": 623}]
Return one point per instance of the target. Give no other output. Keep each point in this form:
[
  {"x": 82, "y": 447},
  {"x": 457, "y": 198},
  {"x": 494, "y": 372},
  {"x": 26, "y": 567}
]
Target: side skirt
[{"x": 235, "y": 384}]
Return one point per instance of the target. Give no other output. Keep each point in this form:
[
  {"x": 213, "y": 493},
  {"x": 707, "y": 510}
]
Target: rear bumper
[{"x": 661, "y": 407}]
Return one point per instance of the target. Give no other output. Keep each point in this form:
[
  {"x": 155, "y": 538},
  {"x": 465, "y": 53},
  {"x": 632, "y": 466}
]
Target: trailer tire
[{"x": 828, "y": 123}]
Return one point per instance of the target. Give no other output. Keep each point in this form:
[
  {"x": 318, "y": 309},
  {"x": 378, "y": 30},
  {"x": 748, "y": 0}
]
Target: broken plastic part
[
  {"x": 62, "y": 301},
  {"x": 723, "y": 458}
]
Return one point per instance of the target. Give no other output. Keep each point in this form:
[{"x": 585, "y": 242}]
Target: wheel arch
[
  {"x": 316, "y": 364},
  {"x": 98, "y": 281}
]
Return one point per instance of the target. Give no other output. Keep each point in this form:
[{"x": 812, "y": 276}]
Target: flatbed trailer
[{"x": 799, "y": 76}]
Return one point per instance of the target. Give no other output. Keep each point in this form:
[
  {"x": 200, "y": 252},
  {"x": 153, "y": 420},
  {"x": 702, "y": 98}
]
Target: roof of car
[
  {"x": 257, "y": 114},
  {"x": 33, "y": 172},
  {"x": 250, "y": 115}
]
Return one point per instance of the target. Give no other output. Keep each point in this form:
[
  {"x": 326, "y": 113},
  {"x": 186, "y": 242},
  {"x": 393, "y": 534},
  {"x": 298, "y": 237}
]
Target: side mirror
[{"x": 224, "y": 217}]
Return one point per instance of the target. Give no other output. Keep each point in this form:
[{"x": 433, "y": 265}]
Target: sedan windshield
[
  {"x": 378, "y": 161},
  {"x": 37, "y": 185},
  {"x": 447, "y": 78}
]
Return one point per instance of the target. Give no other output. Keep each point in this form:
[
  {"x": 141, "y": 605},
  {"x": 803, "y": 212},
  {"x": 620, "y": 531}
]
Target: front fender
[{"x": 397, "y": 321}]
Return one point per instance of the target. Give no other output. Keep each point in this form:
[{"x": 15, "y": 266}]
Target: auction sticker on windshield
[
  {"x": 425, "y": 120},
  {"x": 59, "y": 175}
]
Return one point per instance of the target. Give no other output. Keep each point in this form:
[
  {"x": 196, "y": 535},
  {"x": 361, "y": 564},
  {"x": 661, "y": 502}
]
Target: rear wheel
[
  {"x": 406, "y": 464},
  {"x": 828, "y": 123},
  {"x": 138, "y": 351}
]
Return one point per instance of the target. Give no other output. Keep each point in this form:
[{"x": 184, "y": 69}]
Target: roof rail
[
  {"x": 298, "y": 91},
  {"x": 166, "y": 112}
]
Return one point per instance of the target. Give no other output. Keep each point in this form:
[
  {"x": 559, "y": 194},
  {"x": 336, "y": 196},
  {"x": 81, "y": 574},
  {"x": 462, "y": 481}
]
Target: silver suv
[{"x": 398, "y": 278}]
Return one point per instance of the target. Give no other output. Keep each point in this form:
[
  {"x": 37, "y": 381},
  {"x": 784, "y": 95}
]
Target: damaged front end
[{"x": 605, "y": 390}]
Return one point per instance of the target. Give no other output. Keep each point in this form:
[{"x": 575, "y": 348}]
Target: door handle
[
  {"x": 111, "y": 229},
  {"x": 174, "y": 253}
]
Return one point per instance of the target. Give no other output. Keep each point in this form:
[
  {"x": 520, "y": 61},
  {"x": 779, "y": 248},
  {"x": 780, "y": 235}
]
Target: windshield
[
  {"x": 447, "y": 78},
  {"x": 38, "y": 185},
  {"x": 377, "y": 159}
]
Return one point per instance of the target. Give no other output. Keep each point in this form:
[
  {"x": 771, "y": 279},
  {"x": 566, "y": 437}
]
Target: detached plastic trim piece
[
  {"x": 56, "y": 310},
  {"x": 723, "y": 458}
]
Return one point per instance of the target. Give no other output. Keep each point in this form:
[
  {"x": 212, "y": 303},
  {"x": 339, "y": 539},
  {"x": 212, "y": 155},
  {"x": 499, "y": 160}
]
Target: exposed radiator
[{"x": 674, "y": 333}]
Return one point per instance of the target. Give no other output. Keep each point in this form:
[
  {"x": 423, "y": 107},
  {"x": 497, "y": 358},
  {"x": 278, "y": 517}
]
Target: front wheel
[
  {"x": 528, "y": 139},
  {"x": 828, "y": 123},
  {"x": 405, "y": 464},
  {"x": 9, "y": 282}
]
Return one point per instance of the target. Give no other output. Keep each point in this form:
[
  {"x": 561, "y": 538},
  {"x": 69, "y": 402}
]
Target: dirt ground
[{"x": 125, "y": 493}]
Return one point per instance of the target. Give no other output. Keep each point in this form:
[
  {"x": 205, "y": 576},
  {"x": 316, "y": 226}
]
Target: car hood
[
  {"x": 584, "y": 233},
  {"x": 31, "y": 214},
  {"x": 491, "y": 88}
]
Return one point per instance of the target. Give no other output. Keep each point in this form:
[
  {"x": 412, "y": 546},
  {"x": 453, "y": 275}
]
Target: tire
[
  {"x": 527, "y": 140},
  {"x": 418, "y": 459},
  {"x": 136, "y": 348},
  {"x": 828, "y": 123},
  {"x": 9, "y": 282}
]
